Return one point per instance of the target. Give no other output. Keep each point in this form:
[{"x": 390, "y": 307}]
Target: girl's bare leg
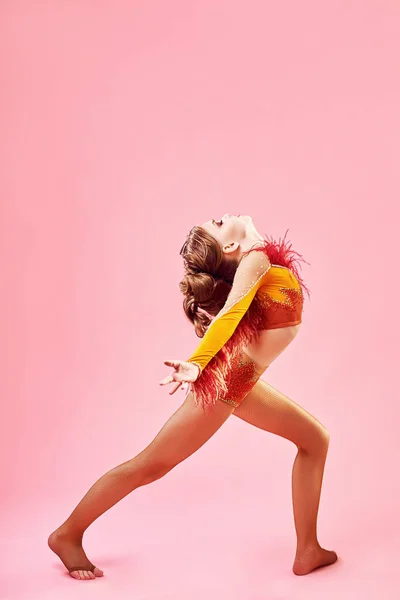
[
  {"x": 268, "y": 409},
  {"x": 184, "y": 433}
]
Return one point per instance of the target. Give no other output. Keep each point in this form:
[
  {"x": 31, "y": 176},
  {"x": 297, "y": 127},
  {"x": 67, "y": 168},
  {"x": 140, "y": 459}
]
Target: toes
[
  {"x": 75, "y": 574},
  {"x": 79, "y": 574},
  {"x": 82, "y": 574},
  {"x": 86, "y": 574}
]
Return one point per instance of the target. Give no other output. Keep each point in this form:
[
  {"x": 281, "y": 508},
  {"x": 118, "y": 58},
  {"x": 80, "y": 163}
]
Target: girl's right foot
[
  {"x": 72, "y": 555},
  {"x": 313, "y": 558}
]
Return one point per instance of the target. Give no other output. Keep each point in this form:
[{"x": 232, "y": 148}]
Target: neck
[{"x": 249, "y": 243}]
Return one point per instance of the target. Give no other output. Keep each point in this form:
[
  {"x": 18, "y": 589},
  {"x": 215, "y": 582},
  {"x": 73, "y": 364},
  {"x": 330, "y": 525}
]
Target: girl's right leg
[{"x": 184, "y": 433}]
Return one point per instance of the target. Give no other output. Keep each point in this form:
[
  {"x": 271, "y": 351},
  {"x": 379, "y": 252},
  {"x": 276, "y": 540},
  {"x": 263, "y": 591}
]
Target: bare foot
[
  {"x": 72, "y": 555},
  {"x": 313, "y": 558}
]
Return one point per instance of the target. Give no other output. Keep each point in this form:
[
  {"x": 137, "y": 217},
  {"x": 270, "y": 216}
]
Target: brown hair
[{"x": 208, "y": 278}]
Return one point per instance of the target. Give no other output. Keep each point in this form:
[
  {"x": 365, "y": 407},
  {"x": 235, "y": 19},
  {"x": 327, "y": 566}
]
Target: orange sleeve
[{"x": 248, "y": 279}]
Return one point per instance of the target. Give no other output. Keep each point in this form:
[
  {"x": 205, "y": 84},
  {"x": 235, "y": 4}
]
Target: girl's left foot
[{"x": 313, "y": 558}]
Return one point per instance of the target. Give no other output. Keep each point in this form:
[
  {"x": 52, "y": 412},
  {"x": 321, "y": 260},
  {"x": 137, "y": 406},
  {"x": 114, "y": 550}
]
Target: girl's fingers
[
  {"x": 172, "y": 378},
  {"x": 177, "y": 386},
  {"x": 172, "y": 363},
  {"x": 167, "y": 380}
]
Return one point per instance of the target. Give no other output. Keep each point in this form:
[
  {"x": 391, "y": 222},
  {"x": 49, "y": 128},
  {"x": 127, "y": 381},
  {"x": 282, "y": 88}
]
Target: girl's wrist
[{"x": 197, "y": 365}]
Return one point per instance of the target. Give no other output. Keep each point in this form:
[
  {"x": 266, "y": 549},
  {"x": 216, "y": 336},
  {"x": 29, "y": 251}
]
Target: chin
[{"x": 248, "y": 220}]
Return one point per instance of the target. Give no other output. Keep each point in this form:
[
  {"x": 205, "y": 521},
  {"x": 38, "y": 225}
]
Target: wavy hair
[{"x": 208, "y": 278}]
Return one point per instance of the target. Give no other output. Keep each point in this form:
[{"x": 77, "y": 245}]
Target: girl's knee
[
  {"x": 324, "y": 438},
  {"x": 145, "y": 469},
  {"x": 317, "y": 441},
  {"x": 327, "y": 436},
  {"x": 154, "y": 471}
]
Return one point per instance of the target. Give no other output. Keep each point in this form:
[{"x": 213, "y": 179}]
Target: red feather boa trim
[{"x": 214, "y": 379}]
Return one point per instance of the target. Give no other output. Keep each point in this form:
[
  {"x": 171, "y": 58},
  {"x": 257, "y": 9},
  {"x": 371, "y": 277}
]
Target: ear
[{"x": 230, "y": 248}]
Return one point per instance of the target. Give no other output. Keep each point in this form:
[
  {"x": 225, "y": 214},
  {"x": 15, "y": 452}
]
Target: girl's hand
[{"x": 185, "y": 372}]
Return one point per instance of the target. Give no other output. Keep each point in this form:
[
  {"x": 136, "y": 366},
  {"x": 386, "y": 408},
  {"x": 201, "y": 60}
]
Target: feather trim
[
  {"x": 281, "y": 253},
  {"x": 213, "y": 382}
]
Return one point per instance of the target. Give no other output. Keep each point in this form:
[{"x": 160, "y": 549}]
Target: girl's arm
[{"x": 248, "y": 279}]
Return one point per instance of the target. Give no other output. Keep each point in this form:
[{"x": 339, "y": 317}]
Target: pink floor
[{"x": 210, "y": 535}]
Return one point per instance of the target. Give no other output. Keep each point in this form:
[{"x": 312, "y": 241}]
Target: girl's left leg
[{"x": 268, "y": 409}]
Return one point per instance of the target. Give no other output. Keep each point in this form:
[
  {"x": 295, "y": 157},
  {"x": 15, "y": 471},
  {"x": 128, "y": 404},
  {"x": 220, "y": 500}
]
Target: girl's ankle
[{"x": 68, "y": 532}]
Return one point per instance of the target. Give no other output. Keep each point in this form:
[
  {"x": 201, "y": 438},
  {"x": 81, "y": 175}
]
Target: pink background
[{"x": 123, "y": 125}]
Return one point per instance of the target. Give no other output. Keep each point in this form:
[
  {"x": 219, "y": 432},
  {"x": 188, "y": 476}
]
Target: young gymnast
[{"x": 244, "y": 295}]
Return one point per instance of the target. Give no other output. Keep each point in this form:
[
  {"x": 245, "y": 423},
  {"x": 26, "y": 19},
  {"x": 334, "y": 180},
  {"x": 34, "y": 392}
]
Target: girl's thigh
[
  {"x": 185, "y": 432},
  {"x": 268, "y": 409}
]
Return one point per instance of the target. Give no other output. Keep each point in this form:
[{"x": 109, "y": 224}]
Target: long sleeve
[{"x": 248, "y": 279}]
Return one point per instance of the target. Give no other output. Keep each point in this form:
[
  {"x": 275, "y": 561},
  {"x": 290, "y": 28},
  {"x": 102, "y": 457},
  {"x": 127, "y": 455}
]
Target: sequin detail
[
  {"x": 241, "y": 380},
  {"x": 235, "y": 404},
  {"x": 276, "y": 310}
]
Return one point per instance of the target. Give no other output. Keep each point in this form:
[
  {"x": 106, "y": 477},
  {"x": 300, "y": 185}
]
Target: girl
[{"x": 244, "y": 295}]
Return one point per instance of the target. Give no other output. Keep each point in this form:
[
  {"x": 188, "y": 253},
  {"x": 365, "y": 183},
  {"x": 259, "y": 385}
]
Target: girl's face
[{"x": 232, "y": 231}]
